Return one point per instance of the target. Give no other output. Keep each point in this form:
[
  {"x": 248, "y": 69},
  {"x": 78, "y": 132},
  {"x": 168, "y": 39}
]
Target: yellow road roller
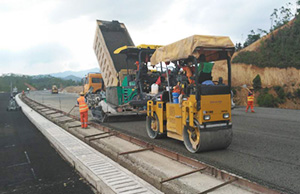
[{"x": 201, "y": 118}]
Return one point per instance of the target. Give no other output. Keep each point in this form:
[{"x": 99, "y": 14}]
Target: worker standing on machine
[
  {"x": 189, "y": 73},
  {"x": 137, "y": 66},
  {"x": 250, "y": 99},
  {"x": 83, "y": 110},
  {"x": 176, "y": 93}
]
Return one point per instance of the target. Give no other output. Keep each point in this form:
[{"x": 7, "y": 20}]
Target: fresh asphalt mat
[{"x": 28, "y": 163}]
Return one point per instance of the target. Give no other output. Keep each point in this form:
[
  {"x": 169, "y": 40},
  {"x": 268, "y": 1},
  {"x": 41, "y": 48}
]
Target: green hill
[
  {"x": 280, "y": 48},
  {"x": 39, "y": 82}
]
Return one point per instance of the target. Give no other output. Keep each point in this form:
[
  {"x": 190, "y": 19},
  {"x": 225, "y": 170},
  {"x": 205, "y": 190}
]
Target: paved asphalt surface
[
  {"x": 28, "y": 164},
  {"x": 265, "y": 147}
]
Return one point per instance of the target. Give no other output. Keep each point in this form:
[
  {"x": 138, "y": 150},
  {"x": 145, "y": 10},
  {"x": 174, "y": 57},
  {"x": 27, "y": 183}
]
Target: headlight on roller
[
  {"x": 206, "y": 117},
  {"x": 226, "y": 115}
]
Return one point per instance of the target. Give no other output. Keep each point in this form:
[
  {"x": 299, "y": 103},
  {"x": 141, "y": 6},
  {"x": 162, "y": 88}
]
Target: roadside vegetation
[
  {"x": 277, "y": 47},
  {"x": 39, "y": 82},
  {"x": 280, "y": 48},
  {"x": 275, "y": 96}
]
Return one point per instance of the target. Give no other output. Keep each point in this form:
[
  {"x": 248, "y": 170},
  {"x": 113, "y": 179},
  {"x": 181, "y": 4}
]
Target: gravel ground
[
  {"x": 28, "y": 164},
  {"x": 265, "y": 147}
]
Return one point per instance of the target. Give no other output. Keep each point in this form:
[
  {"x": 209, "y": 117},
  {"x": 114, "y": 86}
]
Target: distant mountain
[
  {"x": 72, "y": 77},
  {"x": 40, "y": 76},
  {"x": 39, "y": 82},
  {"x": 13, "y": 74},
  {"x": 78, "y": 74},
  {"x": 66, "y": 75}
]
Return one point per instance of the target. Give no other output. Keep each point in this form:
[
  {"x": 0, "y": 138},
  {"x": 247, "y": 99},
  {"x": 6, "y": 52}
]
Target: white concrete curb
[{"x": 100, "y": 171}]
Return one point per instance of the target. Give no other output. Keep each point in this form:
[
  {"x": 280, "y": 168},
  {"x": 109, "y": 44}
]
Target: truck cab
[{"x": 93, "y": 82}]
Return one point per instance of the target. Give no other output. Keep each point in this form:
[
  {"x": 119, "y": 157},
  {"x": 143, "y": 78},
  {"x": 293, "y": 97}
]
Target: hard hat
[{"x": 81, "y": 93}]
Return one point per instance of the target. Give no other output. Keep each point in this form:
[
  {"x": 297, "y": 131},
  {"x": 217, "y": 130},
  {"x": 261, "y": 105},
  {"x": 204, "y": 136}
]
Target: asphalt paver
[{"x": 28, "y": 163}]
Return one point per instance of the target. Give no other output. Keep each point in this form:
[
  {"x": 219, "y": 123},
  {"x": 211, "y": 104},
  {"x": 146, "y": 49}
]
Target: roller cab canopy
[{"x": 213, "y": 47}]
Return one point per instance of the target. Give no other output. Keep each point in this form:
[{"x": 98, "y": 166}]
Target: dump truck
[
  {"x": 54, "y": 89},
  {"x": 93, "y": 88},
  {"x": 110, "y": 36},
  {"x": 93, "y": 83},
  {"x": 198, "y": 110}
]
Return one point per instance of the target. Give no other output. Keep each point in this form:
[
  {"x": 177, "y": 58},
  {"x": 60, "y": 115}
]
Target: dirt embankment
[
  {"x": 73, "y": 89},
  {"x": 240, "y": 98},
  {"x": 288, "y": 78},
  {"x": 270, "y": 76}
]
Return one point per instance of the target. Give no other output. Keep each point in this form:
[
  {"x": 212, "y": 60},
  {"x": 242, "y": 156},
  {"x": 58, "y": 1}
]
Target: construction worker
[
  {"x": 176, "y": 93},
  {"x": 250, "y": 99},
  {"x": 137, "y": 66},
  {"x": 189, "y": 73},
  {"x": 83, "y": 110}
]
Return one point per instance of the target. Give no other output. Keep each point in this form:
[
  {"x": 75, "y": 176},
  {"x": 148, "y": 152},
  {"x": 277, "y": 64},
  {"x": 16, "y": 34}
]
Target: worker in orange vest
[
  {"x": 83, "y": 109},
  {"x": 250, "y": 99},
  {"x": 189, "y": 73},
  {"x": 137, "y": 66}
]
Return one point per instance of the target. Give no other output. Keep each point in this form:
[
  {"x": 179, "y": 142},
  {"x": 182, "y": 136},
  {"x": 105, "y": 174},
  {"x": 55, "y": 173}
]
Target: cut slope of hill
[
  {"x": 275, "y": 57},
  {"x": 73, "y": 89},
  {"x": 270, "y": 76},
  {"x": 266, "y": 57},
  {"x": 255, "y": 46},
  {"x": 279, "y": 48}
]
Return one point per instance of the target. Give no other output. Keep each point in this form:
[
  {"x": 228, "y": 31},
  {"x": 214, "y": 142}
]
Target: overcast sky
[{"x": 48, "y": 36}]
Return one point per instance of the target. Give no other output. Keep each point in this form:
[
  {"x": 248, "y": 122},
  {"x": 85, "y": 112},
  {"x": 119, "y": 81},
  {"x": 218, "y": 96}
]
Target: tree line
[{"x": 39, "y": 82}]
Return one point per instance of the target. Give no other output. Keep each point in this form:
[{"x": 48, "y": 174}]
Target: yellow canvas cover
[{"x": 210, "y": 46}]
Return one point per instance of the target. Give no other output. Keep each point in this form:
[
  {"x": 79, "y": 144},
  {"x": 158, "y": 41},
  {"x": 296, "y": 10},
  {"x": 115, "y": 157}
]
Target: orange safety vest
[
  {"x": 250, "y": 98},
  {"x": 83, "y": 107},
  {"x": 189, "y": 73}
]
